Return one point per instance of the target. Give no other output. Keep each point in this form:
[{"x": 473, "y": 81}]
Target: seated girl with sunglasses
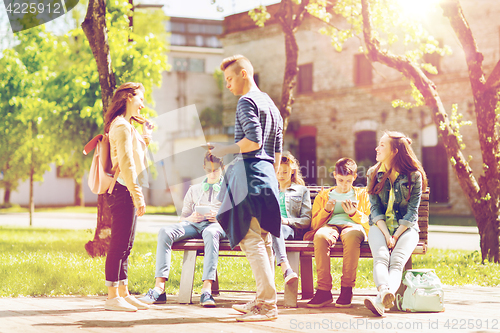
[
  {"x": 295, "y": 206},
  {"x": 198, "y": 221}
]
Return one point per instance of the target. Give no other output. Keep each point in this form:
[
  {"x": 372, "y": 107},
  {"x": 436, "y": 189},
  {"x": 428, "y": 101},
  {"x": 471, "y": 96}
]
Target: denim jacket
[
  {"x": 406, "y": 211},
  {"x": 298, "y": 206}
]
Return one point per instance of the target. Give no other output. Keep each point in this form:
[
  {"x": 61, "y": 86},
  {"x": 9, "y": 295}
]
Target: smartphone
[
  {"x": 207, "y": 146},
  {"x": 338, "y": 206}
]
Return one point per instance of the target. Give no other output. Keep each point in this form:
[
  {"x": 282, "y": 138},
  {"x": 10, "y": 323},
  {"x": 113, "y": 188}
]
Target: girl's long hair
[
  {"x": 405, "y": 162},
  {"x": 294, "y": 165},
  {"x": 118, "y": 104}
]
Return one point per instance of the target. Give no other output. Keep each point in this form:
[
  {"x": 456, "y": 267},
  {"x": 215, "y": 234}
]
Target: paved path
[
  {"x": 468, "y": 309},
  {"x": 443, "y": 237}
]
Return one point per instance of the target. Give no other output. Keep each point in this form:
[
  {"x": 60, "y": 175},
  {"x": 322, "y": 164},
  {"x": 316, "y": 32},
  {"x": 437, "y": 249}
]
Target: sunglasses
[{"x": 285, "y": 159}]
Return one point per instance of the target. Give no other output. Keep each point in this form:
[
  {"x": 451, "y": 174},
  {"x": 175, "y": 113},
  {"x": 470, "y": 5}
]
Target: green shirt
[
  {"x": 283, "y": 205},
  {"x": 339, "y": 216}
]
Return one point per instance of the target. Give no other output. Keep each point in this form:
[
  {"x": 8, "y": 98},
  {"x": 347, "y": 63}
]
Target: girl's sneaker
[{"x": 375, "y": 305}]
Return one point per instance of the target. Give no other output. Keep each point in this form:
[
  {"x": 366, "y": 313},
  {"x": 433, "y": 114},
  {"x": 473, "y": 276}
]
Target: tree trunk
[
  {"x": 100, "y": 244},
  {"x": 6, "y": 195},
  {"x": 290, "y": 22},
  {"x": 32, "y": 201},
  {"x": 79, "y": 196},
  {"x": 94, "y": 27},
  {"x": 486, "y": 208},
  {"x": 485, "y": 211}
]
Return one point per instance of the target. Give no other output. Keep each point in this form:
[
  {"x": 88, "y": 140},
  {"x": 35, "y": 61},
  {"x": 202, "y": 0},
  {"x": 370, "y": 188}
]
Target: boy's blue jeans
[{"x": 210, "y": 232}]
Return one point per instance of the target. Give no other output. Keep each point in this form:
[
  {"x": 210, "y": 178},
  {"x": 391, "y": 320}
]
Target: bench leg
[
  {"x": 306, "y": 276},
  {"x": 291, "y": 289},
  {"x": 402, "y": 287},
  {"x": 187, "y": 277},
  {"x": 215, "y": 285}
]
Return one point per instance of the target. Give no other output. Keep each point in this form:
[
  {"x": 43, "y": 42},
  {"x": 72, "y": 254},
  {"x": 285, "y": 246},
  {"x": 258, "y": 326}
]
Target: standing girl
[
  {"x": 395, "y": 186},
  {"x": 126, "y": 202}
]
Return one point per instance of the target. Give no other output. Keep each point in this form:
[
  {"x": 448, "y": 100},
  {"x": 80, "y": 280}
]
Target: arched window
[
  {"x": 435, "y": 164},
  {"x": 306, "y": 136},
  {"x": 364, "y": 154}
]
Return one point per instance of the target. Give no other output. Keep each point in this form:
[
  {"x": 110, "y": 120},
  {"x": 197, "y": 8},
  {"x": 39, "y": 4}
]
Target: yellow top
[{"x": 390, "y": 218}]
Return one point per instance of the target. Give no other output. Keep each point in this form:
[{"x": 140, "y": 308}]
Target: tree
[
  {"x": 290, "y": 16},
  {"x": 483, "y": 194},
  {"x": 372, "y": 20},
  {"x": 27, "y": 147},
  {"x": 142, "y": 60}
]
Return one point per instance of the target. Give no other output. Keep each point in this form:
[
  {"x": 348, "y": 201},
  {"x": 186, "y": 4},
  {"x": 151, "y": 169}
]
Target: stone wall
[{"x": 338, "y": 108}]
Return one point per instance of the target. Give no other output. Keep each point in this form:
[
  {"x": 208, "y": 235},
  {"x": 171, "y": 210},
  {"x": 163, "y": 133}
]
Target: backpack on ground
[
  {"x": 100, "y": 179},
  {"x": 424, "y": 292}
]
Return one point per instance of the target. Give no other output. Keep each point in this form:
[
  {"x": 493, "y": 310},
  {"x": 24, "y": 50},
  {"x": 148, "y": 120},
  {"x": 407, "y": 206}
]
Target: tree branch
[
  {"x": 453, "y": 11},
  {"x": 485, "y": 95},
  {"x": 428, "y": 89}
]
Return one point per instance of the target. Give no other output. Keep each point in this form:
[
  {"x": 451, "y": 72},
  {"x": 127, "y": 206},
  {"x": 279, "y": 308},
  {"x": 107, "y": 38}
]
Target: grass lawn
[{"x": 54, "y": 262}]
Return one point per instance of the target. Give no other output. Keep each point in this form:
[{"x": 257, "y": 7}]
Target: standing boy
[
  {"x": 248, "y": 222},
  {"x": 341, "y": 211}
]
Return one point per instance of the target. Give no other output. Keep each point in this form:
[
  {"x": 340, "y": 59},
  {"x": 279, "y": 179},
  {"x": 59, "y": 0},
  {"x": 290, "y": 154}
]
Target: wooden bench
[{"x": 300, "y": 254}]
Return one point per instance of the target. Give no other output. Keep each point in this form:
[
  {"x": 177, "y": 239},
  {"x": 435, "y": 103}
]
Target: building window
[
  {"x": 365, "y": 154},
  {"x": 199, "y": 41},
  {"x": 195, "y": 28},
  {"x": 307, "y": 158},
  {"x": 212, "y": 41},
  {"x": 435, "y": 163},
  {"x": 305, "y": 78},
  {"x": 189, "y": 65},
  {"x": 434, "y": 58},
  {"x": 180, "y": 64},
  {"x": 197, "y": 65},
  {"x": 362, "y": 70},
  {"x": 177, "y": 27},
  {"x": 176, "y": 39}
]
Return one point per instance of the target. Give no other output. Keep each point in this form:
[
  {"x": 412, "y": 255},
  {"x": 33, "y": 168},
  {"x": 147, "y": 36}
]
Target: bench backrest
[{"x": 423, "y": 211}]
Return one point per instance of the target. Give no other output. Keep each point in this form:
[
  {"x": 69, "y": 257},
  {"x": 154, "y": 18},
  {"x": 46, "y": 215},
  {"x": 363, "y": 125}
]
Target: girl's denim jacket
[
  {"x": 298, "y": 206},
  {"x": 406, "y": 211}
]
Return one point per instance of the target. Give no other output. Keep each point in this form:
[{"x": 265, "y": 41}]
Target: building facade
[
  {"x": 343, "y": 103},
  {"x": 189, "y": 89}
]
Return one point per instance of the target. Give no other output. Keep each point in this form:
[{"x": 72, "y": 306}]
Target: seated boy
[
  {"x": 341, "y": 211},
  {"x": 193, "y": 225}
]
